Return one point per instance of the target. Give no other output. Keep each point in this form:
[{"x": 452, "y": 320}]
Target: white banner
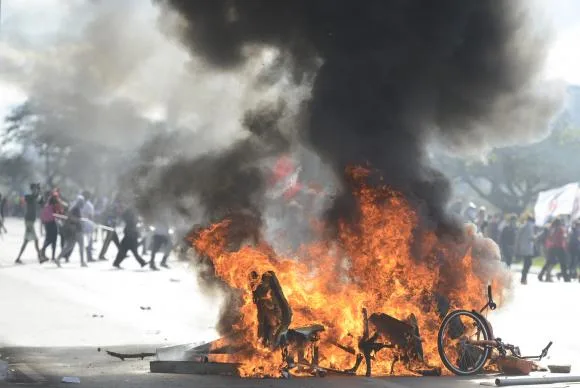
[{"x": 556, "y": 202}]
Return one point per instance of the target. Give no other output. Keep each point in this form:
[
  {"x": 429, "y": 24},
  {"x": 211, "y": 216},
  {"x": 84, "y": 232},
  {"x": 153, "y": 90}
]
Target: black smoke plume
[
  {"x": 228, "y": 183},
  {"x": 388, "y": 77}
]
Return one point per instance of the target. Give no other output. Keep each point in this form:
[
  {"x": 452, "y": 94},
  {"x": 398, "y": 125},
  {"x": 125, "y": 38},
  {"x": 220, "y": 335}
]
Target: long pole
[
  {"x": 506, "y": 382},
  {"x": 61, "y": 217}
]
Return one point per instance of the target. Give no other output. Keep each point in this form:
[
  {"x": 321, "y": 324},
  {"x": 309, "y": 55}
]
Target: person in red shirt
[{"x": 556, "y": 244}]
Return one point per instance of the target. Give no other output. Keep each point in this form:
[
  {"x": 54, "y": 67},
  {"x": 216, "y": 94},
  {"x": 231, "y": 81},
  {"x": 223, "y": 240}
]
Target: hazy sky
[{"x": 37, "y": 20}]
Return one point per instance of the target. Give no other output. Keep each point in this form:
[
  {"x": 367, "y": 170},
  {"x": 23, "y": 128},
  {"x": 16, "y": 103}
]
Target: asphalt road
[{"x": 53, "y": 320}]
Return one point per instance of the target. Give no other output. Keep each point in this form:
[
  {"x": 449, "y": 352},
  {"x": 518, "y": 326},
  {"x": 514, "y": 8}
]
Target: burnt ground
[{"x": 47, "y": 366}]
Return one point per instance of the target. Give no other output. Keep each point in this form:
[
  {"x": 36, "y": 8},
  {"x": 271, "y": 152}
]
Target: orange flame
[{"x": 372, "y": 264}]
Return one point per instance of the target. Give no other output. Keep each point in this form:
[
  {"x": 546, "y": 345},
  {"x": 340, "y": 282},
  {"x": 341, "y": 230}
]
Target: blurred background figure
[
  {"x": 161, "y": 242},
  {"x": 525, "y": 246},
  {"x": 111, "y": 215},
  {"x": 470, "y": 213},
  {"x": 73, "y": 232},
  {"x": 493, "y": 227},
  {"x": 130, "y": 240},
  {"x": 32, "y": 203},
  {"x": 481, "y": 221},
  {"x": 2, "y": 214},
  {"x": 508, "y": 240},
  {"x": 48, "y": 219},
  {"x": 574, "y": 249},
  {"x": 555, "y": 252},
  {"x": 88, "y": 215}
]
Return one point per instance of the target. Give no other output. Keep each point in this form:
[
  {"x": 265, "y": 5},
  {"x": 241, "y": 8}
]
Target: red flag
[{"x": 285, "y": 177}]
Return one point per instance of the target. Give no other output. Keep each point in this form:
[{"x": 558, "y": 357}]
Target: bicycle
[{"x": 465, "y": 341}]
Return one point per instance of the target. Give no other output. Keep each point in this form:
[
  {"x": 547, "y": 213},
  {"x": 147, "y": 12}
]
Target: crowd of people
[
  {"x": 558, "y": 241},
  {"x": 77, "y": 224}
]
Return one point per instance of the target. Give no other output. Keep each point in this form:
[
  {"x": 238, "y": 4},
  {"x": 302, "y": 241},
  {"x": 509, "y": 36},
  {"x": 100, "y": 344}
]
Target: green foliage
[{"x": 512, "y": 177}]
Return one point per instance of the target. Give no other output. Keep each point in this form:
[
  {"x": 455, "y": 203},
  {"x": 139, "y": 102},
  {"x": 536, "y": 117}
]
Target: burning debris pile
[
  {"x": 386, "y": 78},
  {"x": 321, "y": 296}
]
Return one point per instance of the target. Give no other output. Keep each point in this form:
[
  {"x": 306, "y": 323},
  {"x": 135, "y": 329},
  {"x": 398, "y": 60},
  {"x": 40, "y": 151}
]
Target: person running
[
  {"x": 161, "y": 242},
  {"x": 525, "y": 246},
  {"x": 50, "y": 226},
  {"x": 73, "y": 226},
  {"x": 32, "y": 202},
  {"x": 130, "y": 240}
]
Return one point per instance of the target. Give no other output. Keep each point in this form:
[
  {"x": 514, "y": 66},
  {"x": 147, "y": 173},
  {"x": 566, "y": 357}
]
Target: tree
[
  {"x": 27, "y": 127},
  {"x": 15, "y": 171},
  {"x": 512, "y": 177}
]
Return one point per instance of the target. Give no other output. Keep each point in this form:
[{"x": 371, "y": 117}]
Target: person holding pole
[{"x": 74, "y": 232}]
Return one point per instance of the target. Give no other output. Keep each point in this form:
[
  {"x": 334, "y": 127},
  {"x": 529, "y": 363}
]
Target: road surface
[{"x": 53, "y": 320}]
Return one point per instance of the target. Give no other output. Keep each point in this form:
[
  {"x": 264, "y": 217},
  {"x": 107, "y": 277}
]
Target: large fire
[{"x": 372, "y": 265}]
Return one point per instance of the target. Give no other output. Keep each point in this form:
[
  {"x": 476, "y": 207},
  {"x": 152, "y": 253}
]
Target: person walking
[
  {"x": 74, "y": 233},
  {"x": 32, "y": 202},
  {"x": 88, "y": 215},
  {"x": 508, "y": 240},
  {"x": 161, "y": 242},
  {"x": 111, "y": 215},
  {"x": 2, "y": 210},
  {"x": 130, "y": 240},
  {"x": 493, "y": 228},
  {"x": 525, "y": 246},
  {"x": 50, "y": 226},
  {"x": 482, "y": 222},
  {"x": 556, "y": 252},
  {"x": 574, "y": 249}
]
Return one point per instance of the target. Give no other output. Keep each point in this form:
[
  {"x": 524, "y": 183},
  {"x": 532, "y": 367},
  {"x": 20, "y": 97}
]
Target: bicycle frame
[{"x": 497, "y": 343}]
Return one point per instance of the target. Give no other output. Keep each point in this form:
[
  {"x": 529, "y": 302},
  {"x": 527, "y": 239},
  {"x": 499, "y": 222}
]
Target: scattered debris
[
  {"x": 193, "y": 367},
  {"x": 123, "y": 356},
  {"x": 174, "y": 280},
  {"x": 514, "y": 366},
  {"x": 71, "y": 380},
  {"x": 145, "y": 307},
  {"x": 560, "y": 368},
  {"x": 98, "y": 316}
]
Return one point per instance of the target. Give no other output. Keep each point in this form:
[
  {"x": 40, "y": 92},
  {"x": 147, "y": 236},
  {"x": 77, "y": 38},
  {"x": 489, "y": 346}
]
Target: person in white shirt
[{"x": 88, "y": 213}]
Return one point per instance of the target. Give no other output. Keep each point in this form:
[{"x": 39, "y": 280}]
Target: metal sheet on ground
[{"x": 195, "y": 368}]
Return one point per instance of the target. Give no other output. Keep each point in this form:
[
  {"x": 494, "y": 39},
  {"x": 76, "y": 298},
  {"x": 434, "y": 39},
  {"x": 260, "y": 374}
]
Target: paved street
[{"x": 53, "y": 320}]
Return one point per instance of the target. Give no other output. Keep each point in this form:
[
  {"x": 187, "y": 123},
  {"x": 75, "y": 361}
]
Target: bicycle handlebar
[{"x": 545, "y": 351}]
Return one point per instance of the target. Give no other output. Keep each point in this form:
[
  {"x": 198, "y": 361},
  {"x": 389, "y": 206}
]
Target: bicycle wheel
[{"x": 457, "y": 354}]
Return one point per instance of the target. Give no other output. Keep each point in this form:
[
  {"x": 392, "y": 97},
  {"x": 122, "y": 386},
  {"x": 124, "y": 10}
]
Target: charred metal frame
[{"x": 275, "y": 315}]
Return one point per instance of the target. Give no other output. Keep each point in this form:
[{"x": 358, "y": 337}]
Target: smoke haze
[{"x": 389, "y": 77}]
